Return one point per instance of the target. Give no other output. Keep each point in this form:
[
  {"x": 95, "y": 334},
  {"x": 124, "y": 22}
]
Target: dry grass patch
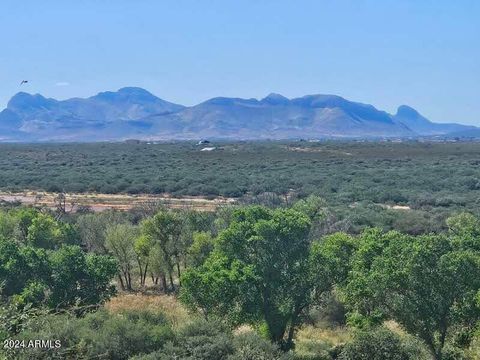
[
  {"x": 312, "y": 341},
  {"x": 169, "y": 305}
]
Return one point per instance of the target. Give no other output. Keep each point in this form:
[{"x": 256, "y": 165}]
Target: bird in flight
[{"x": 24, "y": 82}]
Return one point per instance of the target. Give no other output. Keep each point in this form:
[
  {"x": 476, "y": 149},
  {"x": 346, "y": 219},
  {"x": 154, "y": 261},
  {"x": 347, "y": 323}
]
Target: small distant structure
[
  {"x": 203, "y": 142},
  {"x": 132, "y": 141},
  {"x": 208, "y": 148}
]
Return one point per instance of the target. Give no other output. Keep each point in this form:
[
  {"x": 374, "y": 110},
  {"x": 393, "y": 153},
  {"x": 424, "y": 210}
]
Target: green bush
[
  {"x": 250, "y": 346},
  {"x": 203, "y": 340},
  {"x": 379, "y": 344},
  {"x": 199, "y": 340},
  {"x": 98, "y": 335}
]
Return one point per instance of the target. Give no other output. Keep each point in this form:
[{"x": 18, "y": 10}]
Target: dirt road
[{"x": 101, "y": 202}]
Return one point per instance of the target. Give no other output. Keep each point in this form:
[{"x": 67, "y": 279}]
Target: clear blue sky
[{"x": 423, "y": 53}]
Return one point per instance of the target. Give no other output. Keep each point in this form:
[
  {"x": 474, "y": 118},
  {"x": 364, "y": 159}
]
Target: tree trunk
[
  {"x": 178, "y": 272},
  {"x": 140, "y": 268},
  {"x": 129, "y": 281},
  {"x": 291, "y": 332},
  {"x": 164, "y": 282},
  {"x": 172, "y": 285},
  {"x": 436, "y": 353},
  {"x": 122, "y": 285},
  {"x": 145, "y": 274},
  {"x": 125, "y": 279}
]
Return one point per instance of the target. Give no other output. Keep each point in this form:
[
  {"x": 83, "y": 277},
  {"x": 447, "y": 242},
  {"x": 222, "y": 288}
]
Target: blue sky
[{"x": 422, "y": 53}]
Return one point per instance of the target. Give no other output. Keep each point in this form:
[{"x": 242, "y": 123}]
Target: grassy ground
[
  {"x": 167, "y": 304},
  {"x": 310, "y": 340}
]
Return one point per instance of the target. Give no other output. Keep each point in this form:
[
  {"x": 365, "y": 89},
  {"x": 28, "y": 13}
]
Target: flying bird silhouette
[{"x": 24, "y": 82}]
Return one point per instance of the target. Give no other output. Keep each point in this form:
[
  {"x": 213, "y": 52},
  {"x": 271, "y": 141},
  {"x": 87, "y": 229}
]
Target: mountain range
[{"x": 136, "y": 113}]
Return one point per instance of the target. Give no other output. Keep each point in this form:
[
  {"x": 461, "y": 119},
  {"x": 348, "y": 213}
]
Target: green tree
[
  {"x": 92, "y": 229},
  {"x": 157, "y": 267},
  {"x": 25, "y": 218},
  {"x": 44, "y": 232},
  {"x": 261, "y": 271},
  {"x": 8, "y": 225},
  {"x": 120, "y": 241},
  {"x": 193, "y": 223},
  {"x": 14, "y": 270},
  {"x": 80, "y": 279},
  {"x": 425, "y": 283},
  {"x": 22, "y": 269},
  {"x": 202, "y": 245},
  {"x": 165, "y": 229},
  {"x": 142, "y": 247}
]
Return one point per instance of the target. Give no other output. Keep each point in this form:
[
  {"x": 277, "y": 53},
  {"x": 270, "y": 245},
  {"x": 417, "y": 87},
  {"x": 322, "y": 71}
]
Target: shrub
[
  {"x": 250, "y": 346},
  {"x": 98, "y": 335},
  {"x": 200, "y": 340},
  {"x": 378, "y": 344}
]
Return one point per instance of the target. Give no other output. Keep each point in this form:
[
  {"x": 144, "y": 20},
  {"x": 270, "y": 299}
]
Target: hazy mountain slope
[
  {"x": 279, "y": 117},
  {"x": 419, "y": 124},
  {"x": 136, "y": 113},
  {"x": 108, "y": 115}
]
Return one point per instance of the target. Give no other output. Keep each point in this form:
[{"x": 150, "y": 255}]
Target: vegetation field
[
  {"x": 361, "y": 181},
  {"x": 262, "y": 250},
  {"x": 434, "y": 174}
]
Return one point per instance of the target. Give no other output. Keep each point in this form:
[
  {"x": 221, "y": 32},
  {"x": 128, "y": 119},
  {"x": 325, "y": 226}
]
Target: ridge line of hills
[{"x": 133, "y": 112}]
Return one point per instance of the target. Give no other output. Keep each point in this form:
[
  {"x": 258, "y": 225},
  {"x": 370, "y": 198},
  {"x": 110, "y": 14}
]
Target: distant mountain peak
[
  {"x": 133, "y": 93},
  {"x": 407, "y": 111},
  {"x": 320, "y": 100},
  {"x": 24, "y": 100},
  {"x": 274, "y": 98},
  {"x": 227, "y": 101},
  {"x": 132, "y": 90}
]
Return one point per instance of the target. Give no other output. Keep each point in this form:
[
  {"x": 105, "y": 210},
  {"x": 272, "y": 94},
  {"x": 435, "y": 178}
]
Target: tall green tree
[
  {"x": 201, "y": 247},
  {"x": 9, "y": 225},
  {"x": 92, "y": 229},
  {"x": 165, "y": 229},
  {"x": 262, "y": 270},
  {"x": 143, "y": 246},
  {"x": 80, "y": 279},
  {"x": 428, "y": 284},
  {"x": 44, "y": 232},
  {"x": 120, "y": 242}
]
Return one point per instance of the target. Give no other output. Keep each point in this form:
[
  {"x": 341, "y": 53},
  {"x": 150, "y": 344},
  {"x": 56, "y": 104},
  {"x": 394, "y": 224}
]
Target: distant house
[
  {"x": 208, "y": 149},
  {"x": 203, "y": 142}
]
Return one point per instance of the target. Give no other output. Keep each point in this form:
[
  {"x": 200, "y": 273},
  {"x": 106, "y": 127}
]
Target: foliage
[
  {"x": 99, "y": 334},
  {"x": 202, "y": 246},
  {"x": 165, "y": 230},
  {"x": 428, "y": 284},
  {"x": 250, "y": 346},
  {"x": 120, "y": 241},
  {"x": 79, "y": 279},
  {"x": 427, "y": 176},
  {"x": 202, "y": 340},
  {"x": 379, "y": 344},
  {"x": 261, "y": 270},
  {"x": 92, "y": 229},
  {"x": 47, "y": 233},
  {"x": 62, "y": 278}
]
